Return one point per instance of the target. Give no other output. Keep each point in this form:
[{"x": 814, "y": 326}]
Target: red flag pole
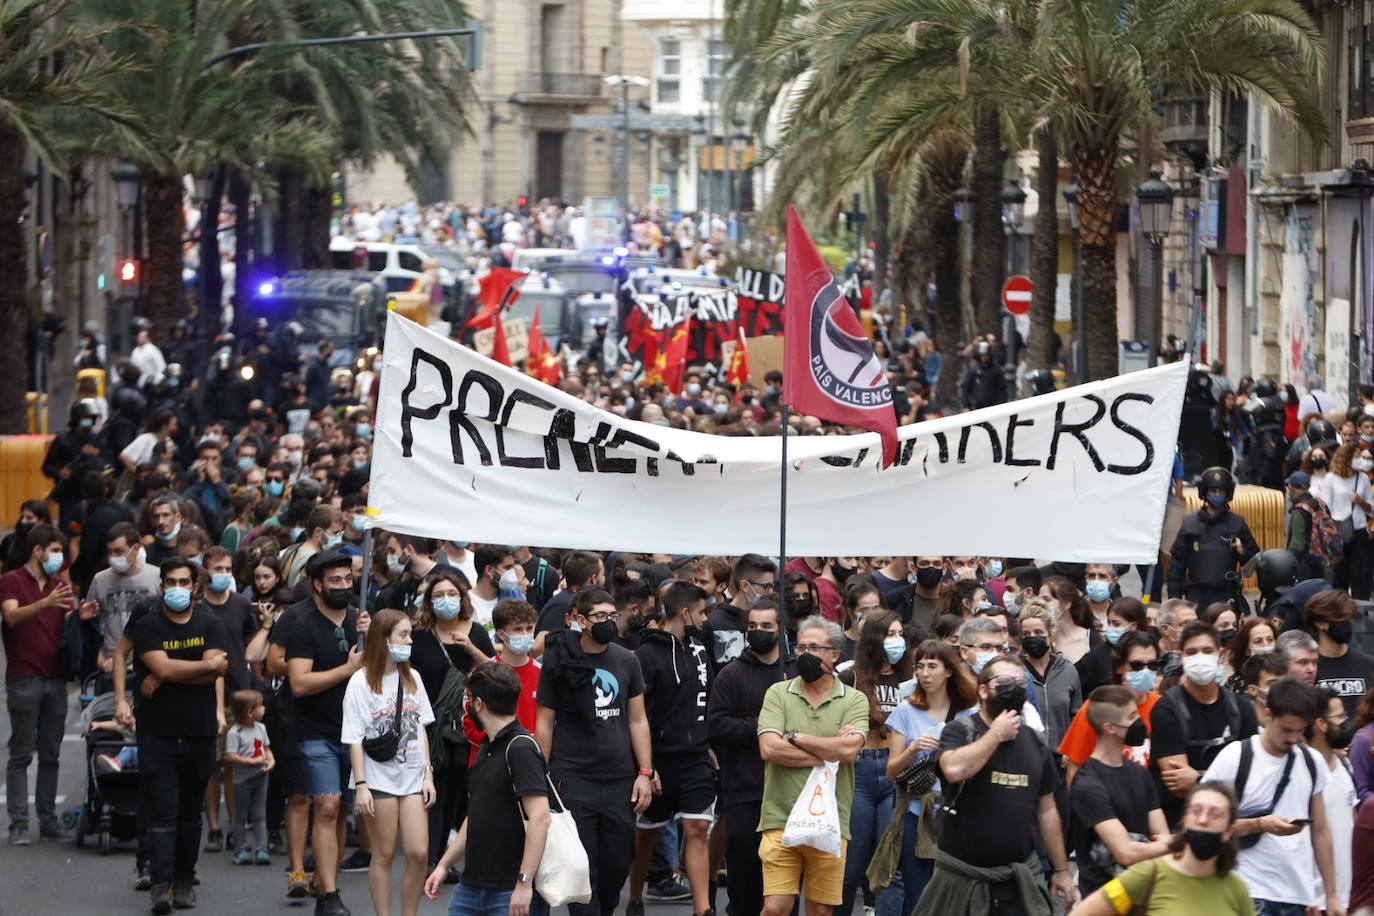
[{"x": 782, "y": 525}]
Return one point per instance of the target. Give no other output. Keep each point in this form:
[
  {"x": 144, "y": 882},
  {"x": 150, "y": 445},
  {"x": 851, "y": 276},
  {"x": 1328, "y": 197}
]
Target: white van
[{"x": 399, "y": 265}]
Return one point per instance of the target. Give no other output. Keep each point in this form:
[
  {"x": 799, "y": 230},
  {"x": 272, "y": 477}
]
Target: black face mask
[
  {"x": 337, "y": 598},
  {"x": 1319, "y": 464},
  {"x": 1035, "y": 646},
  {"x": 1009, "y": 696},
  {"x": 603, "y": 632},
  {"x": 1135, "y": 735},
  {"x": 1205, "y": 844},
  {"x": 761, "y": 642},
  {"x": 799, "y": 607},
  {"x": 1340, "y": 736},
  {"x": 929, "y": 576},
  {"x": 1341, "y": 632},
  {"x": 1226, "y": 636},
  {"x": 691, "y": 632},
  {"x": 810, "y": 667},
  {"x": 842, "y": 573}
]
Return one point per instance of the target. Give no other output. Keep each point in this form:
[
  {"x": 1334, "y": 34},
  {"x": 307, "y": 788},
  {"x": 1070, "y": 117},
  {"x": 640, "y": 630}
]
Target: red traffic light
[
  {"x": 522, "y": 200},
  {"x": 128, "y": 271}
]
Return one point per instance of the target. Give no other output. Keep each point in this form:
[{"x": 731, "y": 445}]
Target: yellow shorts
[{"x": 783, "y": 867}]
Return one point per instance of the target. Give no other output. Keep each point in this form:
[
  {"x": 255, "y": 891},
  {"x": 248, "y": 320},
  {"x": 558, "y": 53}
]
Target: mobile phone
[{"x": 1300, "y": 821}]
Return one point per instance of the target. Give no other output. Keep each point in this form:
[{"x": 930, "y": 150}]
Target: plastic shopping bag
[{"x": 815, "y": 817}]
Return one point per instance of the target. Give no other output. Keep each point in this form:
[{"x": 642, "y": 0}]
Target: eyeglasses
[
  {"x": 762, "y": 586},
  {"x": 1138, "y": 665},
  {"x": 340, "y": 636},
  {"x": 811, "y": 648},
  {"x": 602, "y": 617},
  {"x": 992, "y": 647},
  {"x": 1004, "y": 679},
  {"x": 1206, "y": 815}
]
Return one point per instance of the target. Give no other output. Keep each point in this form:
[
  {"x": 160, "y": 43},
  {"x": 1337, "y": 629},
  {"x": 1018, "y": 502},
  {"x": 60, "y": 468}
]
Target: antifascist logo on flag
[{"x": 842, "y": 362}]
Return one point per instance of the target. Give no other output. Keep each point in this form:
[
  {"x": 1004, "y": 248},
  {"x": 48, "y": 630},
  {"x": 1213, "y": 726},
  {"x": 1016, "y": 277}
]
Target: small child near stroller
[
  {"x": 111, "y": 806},
  {"x": 248, "y": 748}
]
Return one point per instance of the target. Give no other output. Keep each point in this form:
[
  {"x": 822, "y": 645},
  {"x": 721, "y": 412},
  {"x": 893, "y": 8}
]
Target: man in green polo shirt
[{"x": 804, "y": 722}]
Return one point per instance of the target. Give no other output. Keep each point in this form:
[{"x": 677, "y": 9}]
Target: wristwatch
[
  {"x": 791, "y": 738},
  {"x": 524, "y": 878}
]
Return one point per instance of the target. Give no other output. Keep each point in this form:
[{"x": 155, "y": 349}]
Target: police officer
[
  {"x": 985, "y": 385},
  {"x": 74, "y": 452},
  {"x": 596, "y": 350},
  {"x": 1276, "y": 572},
  {"x": 1211, "y": 546},
  {"x": 1264, "y": 461}
]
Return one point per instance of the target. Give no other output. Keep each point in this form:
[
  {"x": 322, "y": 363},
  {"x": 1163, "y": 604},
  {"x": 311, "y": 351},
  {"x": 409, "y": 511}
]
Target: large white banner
[{"x": 471, "y": 450}]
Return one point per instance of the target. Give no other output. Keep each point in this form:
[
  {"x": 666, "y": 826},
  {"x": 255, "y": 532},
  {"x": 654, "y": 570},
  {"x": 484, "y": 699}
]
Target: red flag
[
  {"x": 673, "y": 360},
  {"x": 829, "y": 368},
  {"x": 738, "y": 373},
  {"x": 500, "y": 351},
  {"x": 497, "y": 290},
  {"x": 542, "y": 364}
]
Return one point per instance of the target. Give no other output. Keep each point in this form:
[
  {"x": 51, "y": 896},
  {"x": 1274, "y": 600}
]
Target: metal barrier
[
  {"x": 21, "y": 473},
  {"x": 1264, "y": 510}
]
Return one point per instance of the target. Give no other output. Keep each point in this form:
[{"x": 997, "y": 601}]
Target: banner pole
[
  {"x": 782, "y": 529},
  {"x": 367, "y": 569}
]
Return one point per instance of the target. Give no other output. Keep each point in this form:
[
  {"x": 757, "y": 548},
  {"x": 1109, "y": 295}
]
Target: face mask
[
  {"x": 719, "y": 409},
  {"x": 447, "y": 607},
  {"x": 221, "y": 582},
  {"x": 296, "y": 534},
  {"x": 1216, "y": 500},
  {"x": 1142, "y": 680},
  {"x": 396, "y": 563},
  {"x": 627, "y": 376},
  {"x": 276, "y": 487},
  {"x": 770, "y": 390},
  {"x": 1200, "y": 669},
  {"x": 604, "y": 632},
  {"x": 694, "y": 389},
  {"x": 994, "y": 568},
  {"x": 1035, "y": 646},
  {"x": 1114, "y": 634},
  {"x": 761, "y": 642},
  {"x": 332, "y": 540},
  {"x": 964, "y": 572},
  {"x": 575, "y": 627},
  {"x": 171, "y": 535},
  {"x": 246, "y": 464},
  {"x": 376, "y": 365},
  {"x": 120, "y": 564},
  {"x": 1010, "y": 696},
  {"x": 1319, "y": 464},
  {"x": 294, "y": 458},
  {"x": 521, "y": 643},
  {"x": 337, "y": 598},
  {"x": 983, "y": 606},
  {"x": 906, "y": 689},
  {"x": 1011, "y": 604},
  {"x": 895, "y": 648},
  {"x": 630, "y": 403},
  {"x": 52, "y": 563},
  {"x": 398, "y": 653},
  {"x": 1205, "y": 844},
  {"x": 1098, "y": 591},
  {"x": 359, "y": 522},
  {"x": 1340, "y": 633},
  {"x": 1340, "y": 736},
  {"x": 177, "y": 598},
  {"x": 1362, "y": 464},
  {"x": 799, "y": 607},
  {"x": 1261, "y": 650},
  {"x": 86, "y": 423},
  {"x": 981, "y": 659},
  {"x": 1136, "y": 734},
  {"x": 929, "y": 576},
  {"x": 810, "y": 667},
  {"x": 364, "y": 430},
  {"x": 1226, "y": 636}
]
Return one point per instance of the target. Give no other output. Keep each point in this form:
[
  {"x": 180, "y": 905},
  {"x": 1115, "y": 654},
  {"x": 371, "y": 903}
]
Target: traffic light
[
  {"x": 522, "y": 201},
  {"x": 128, "y": 271}
]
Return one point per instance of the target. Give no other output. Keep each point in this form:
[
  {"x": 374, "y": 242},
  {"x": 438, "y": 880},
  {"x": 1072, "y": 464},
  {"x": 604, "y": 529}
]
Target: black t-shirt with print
[
  {"x": 1348, "y": 675},
  {"x": 495, "y": 780},
  {"x": 599, "y": 748},
  {"x": 885, "y": 692},
  {"x": 1103, "y": 793},
  {"x": 992, "y": 818},
  {"x": 314, "y": 636},
  {"x": 174, "y": 708},
  {"x": 240, "y": 625}
]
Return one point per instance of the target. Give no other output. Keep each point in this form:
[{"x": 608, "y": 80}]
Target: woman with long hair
[
  {"x": 942, "y": 691},
  {"x": 1351, "y": 504},
  {"x": 14, "y": 549},
  {"x": 1058, "y": 693},
  {"x": 1076, "y": 625},
  {"x": 1135, "y": 664},
  {"x": 881, "y": 663},
  {"x": 1254, "y": 637},
  {"x": 392, "y": 794},
  {"x": 802, "y": 601},
  {"x": 242, "y": 503},
  {"x": 962, "y": 598},
  {"x": 1193, "y": 877},
  {"x": 1095, "y": 668},
  {"x": 859, "y": 600},
  {"x": 447, "y": 638}
]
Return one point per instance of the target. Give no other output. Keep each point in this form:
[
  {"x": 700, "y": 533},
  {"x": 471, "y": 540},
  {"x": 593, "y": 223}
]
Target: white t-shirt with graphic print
[{"x": 368, "y": 715}]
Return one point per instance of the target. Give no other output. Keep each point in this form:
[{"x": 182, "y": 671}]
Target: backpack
[
  {"x": 1324, "y": 542},
  {"x": 1247, "y": 759},
  {"x": 1176, "y": 697}
]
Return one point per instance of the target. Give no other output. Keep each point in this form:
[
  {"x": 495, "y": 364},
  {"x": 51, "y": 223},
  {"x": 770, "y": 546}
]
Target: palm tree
[
  {"x": 1044, "y": 256},
  {"x": 34, "y": 92}
]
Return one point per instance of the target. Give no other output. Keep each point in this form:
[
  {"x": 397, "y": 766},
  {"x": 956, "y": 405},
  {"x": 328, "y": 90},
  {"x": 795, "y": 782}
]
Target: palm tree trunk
[
  {"x": 881, "y": 245},
  {"x": 985, "y": 284},
  {"x": 165, "y": 226},
  {"x": 315, "y": 212},
  {"x": 210, "y": 291},
  {"x": 1044, "y": 266},
  {"x": 14, "y": 309},
  {"x": 944, "y": 240},
  {"x": 1095, "y": 169},
  {"x": 241, "y": 199}
]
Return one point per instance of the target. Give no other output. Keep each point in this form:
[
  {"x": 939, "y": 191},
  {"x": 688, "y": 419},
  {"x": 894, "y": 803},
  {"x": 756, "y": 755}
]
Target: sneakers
[
  {"x": 297, "y": 885},
  {"x": 634, "y": 908},
  {"x": 356, "y": 861},
  {"x": 214, "y": 841},
  {"x": 162, "y": 900},
  {"x": 104, "y": 763},
  {"x": 276, "y": 843},
  {"x": 19, "y": 835},
  {"x": 262, "y": 857},
  {"x": 243, "y": 855},
  {"x": 183, "y": 897},
  {"x": 330, "y": 905},
  {"x": 673, "y": 887},
  {"x": 52, "y": 830},
  {"x": 144, "y": 879}
]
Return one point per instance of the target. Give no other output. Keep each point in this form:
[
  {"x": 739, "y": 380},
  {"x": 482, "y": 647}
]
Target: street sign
[
  {"x": 603, "y": 222},
  {"x": 658, "y": 191},
  {"x": 1016, "y": 294}
]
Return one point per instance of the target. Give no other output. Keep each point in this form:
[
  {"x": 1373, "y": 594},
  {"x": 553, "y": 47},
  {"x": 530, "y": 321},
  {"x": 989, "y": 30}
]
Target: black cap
[{"x": 317, "y": 565}]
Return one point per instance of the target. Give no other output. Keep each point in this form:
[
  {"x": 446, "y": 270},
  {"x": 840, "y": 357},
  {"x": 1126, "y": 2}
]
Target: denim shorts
[{"x": 327, "y": 768}]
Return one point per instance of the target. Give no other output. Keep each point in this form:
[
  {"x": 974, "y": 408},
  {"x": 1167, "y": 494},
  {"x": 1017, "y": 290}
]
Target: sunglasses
[
  {"x": 340, "y": 636},
  {"x": 1139, "y": 665}
]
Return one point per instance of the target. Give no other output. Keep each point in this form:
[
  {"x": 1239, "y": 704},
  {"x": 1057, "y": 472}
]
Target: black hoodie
[
  {"x": 733, "y": 722},
  {"x": 676, "y": 682}
]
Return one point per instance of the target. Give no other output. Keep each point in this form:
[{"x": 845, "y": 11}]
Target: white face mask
[
  {"x": 1362, "y": 464},
  {"x": 1200, "y": 669}
]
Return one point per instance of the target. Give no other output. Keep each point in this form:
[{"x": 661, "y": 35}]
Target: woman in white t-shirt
[{"x": 392, "y": 794}]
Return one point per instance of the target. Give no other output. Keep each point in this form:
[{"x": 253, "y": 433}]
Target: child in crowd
[{"x": 248, "y": 749}]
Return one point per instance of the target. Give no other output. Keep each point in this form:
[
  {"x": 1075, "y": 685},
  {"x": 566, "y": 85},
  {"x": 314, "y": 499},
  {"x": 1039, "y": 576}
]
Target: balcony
[
  {"x": 1185, "y": 127},
  {"x": 547, "y": 86}
]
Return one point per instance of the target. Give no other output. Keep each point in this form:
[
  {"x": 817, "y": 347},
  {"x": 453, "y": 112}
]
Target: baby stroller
[{"x": 111, "y": 807}]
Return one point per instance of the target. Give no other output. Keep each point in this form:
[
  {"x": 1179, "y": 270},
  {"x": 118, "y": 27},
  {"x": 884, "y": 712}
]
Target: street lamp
[
  {"x": 126, "y": 177},
  {"x": 127, "y": 181},
  {"x": 698, "y": 140},
  {"x": 624, "y": 82},
  {"x": 963, "y": 199},
  {"x": 1013, "y": 205},
  {"x": 738, "y": 141},
  {"x": 1080, "y": 323},
  {"x": 1156, "y": 202},
  {"x": 1013, "y": 213}
]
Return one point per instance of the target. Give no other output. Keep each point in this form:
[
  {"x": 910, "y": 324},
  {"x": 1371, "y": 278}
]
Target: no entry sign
[{"x": 1016, "y": 294}]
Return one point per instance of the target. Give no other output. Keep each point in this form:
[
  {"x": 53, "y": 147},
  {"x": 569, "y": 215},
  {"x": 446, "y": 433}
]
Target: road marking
[{"x": 57, "y": 800}]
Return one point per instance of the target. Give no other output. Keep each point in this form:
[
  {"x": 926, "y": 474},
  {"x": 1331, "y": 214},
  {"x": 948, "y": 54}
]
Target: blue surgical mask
[
  {"x": 246, "y": 464},
  {"x": 85, "y": 423},
  {"x": 296, "y": 534},
  {"x": 364, "y": 430},
  {"x": 276, "y": 487},
  {"x": 1216, "y": 500},
  {"x": 171, "y": 535},
  {"x": 52, "y": 563},
  {"x": 221, "y": 582},
  {"x": 627, "y": 376},
  {"x": 993, "y": 569},
  {"x": 906, "y": 688},
  {"x": 984, "y": 605},
  {"x": 694, "y": 389},
  {"x": 981, "y": 659},
  {"x": 332, "y": 540},
  {"x": 398, "y": 653},
  {"x": 1097, "y": 590},
  {"x": 895, "y": 648},
  {"x": 509, "y": 586},
  {"x": 1114, "y": 634},
  {"x": 575, "y": 627},
  {"x": 1141, "y": 680},
  {"x": 521, "y": 643},
  {"x": 177, "y": 598},
  {"x": 720, "y": 409},
  {"x": 447, "y": 607},
  {"x": 359, "y": 522}
]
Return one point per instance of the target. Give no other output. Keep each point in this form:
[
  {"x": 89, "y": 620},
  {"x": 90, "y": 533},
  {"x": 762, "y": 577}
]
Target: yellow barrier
[
  {"x": 98, "y": 375},
  {"x": 1265, "y": 512},
  {"x": 21, "y": 473},
  {"x": 37, "y": 403}
]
